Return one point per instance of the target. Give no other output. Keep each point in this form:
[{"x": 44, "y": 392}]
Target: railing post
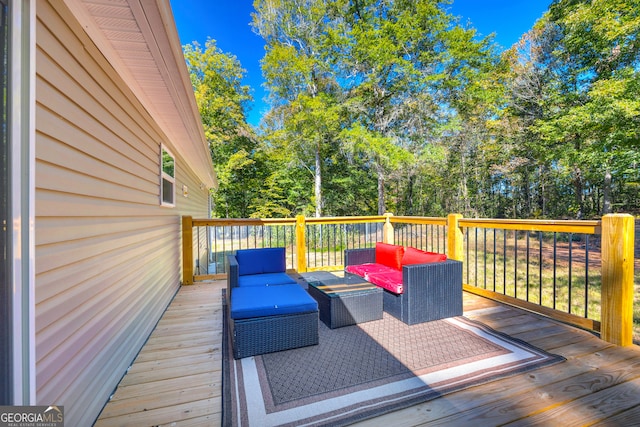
[
  {"x": 301, "y": 250},
  {"x": 187, "y": 250},
  {"x": 617, "y": 279},
  {"x": 455, "y": 238},
  {"x": 387, "y": 230}
]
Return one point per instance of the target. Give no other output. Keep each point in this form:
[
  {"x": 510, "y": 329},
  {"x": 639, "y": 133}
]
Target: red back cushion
[
  {"x": 416, "y": 256},
  {"x": 389, "y": 255}
]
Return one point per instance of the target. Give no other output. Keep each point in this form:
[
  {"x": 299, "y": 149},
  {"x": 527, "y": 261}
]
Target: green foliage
[
  {"x": 396, "y": 106},
  {"x": 222, "y": 100},
  {"x": 572, "y": 85}
]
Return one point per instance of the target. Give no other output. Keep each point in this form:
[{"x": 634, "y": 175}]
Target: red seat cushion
[
  {"x": 389, "y": 255},
  {"x": 364, "y": 270},
  {"x": 390, "y": 280},
  {"x": 380, "y": 275},
  {"x": 416, "y": 256}
]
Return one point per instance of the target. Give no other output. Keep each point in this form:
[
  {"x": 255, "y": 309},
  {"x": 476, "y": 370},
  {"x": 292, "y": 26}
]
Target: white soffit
[{"x": 139, "y": 38}]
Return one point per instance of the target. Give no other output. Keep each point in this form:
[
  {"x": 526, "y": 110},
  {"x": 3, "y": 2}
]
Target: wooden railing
[{"x": 580, "y": 272}]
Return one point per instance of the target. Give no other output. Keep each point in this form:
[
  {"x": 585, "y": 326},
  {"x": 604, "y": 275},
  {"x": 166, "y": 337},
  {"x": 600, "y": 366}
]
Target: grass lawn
[{"x": 563, "y": 275}]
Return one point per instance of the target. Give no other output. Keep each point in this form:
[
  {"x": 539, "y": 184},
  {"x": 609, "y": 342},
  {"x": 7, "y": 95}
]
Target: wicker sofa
[
  {"x": 268, "y": 310},
  {"x": 251, "y": 267},
  {"x": 414, "y": 292}
]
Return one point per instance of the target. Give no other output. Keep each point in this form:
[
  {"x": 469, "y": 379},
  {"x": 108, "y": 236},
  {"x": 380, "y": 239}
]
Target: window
[{"x": 168, "y": 178}]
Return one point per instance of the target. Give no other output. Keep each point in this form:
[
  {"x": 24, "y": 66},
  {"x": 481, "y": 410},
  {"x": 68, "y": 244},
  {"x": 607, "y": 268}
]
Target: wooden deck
[{"x": 177, "y": 379}]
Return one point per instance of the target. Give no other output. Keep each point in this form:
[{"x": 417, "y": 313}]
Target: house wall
[{"x": 108, "y": 255}]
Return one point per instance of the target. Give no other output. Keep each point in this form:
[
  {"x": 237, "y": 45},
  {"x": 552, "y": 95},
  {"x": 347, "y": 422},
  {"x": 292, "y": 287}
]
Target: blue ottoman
[{"x": 265, "y": 319}]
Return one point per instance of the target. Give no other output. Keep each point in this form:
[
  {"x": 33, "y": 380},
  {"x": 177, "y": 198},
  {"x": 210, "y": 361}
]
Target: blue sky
[{"x": 228, "y": 23}]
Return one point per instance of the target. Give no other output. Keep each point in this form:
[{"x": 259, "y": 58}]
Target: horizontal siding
[
  {"x": 195, "y": 199},
  {"x": 70, "y": 153},
  {"x": 56, "y": 229},
  {"x": 107, "y": 254},
  {"x": 87, "y": 85},
  {"x": 198, "y": 199}
]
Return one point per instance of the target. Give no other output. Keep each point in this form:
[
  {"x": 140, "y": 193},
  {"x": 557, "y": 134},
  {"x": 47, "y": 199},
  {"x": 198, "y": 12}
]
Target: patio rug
[{"x": 366, "y": 370}]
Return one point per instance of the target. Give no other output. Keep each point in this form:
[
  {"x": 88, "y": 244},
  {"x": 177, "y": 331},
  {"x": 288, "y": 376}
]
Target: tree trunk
[
  {"x": 542, "y": 197},
  {"x": 381, "y": 205},
  {"x": 464, "y": 191},
  {"x": 606, "y": 193},
  {"x": 409, "y": 205},
  {"x": 577, "y": 185},
  {"x": 318, "y": 184}
]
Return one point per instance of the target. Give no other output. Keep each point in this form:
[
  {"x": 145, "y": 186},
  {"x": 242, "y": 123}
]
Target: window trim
[{"x": 165, "y": 177}]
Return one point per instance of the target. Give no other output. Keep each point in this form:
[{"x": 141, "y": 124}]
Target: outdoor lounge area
[
  {"x": 119, "y": 211},
  {"x": 491, "y": 364},
  {"x": 177, "y": 377}
]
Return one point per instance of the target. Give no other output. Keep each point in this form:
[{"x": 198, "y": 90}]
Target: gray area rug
[{"x": 366, "y": 370}]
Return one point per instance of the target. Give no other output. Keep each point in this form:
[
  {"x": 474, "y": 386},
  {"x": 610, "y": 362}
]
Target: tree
[
  {"x": 385, "y": 96},
  {"x": 572, "y": 107},
  {"x": 599, "y": 112},
  {"x": 299, "y": 79},
  {"x": 393, "y": 105},
  {"x": 222, "y": 101},
  {"x": 368, "y": 76},
  {"x": 529, "y": 76}
]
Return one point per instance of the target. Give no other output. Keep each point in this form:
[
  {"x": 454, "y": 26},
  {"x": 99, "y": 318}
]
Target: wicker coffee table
[{"x": 346, "y": 301}]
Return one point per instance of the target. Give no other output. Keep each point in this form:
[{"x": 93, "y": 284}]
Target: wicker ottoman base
[
  {"x": 261, "y": 335},
  {"x": 343, "y": 305}
]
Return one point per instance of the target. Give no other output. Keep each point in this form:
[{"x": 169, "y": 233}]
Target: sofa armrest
[
  {"x": 231, "y": 266},
  {"x": 435, "y": 287},
  {"x": 359, "y": 256}
]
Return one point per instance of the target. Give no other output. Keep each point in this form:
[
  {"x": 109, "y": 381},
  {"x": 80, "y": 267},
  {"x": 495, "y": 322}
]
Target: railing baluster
[
  {"x": 343, "y": 238},
  {"x": 540, "y": 268},
  {"x": 198, "y": 251},
  {"x": 494, "y": 259},
  {"x": 466, "y": 231},
  {"x": 515, "y": 263},
  {"x": 284, "y": 240},
  {"x": 555, "y": 265},
  {"x": 476, "y": 255},
  {"x": 504, "y": 262},
  {"x": 527, "y": 272},
  {"x": 570, "y": 289},
  {"x": 586, "y": 277},
  {"x": 215, "y": 245},
  {"x": 484, "y": 243},
  {"x": 294, "y": 257},
  {"x": 335, "y": 244}
]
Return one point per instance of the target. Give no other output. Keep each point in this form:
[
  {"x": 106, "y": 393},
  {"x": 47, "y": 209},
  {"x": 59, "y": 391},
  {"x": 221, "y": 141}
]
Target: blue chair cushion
[
  {"x": 265, "y": 279},
  {"x": 260, "y": 301},
  {"x": 262, "y": 260}
]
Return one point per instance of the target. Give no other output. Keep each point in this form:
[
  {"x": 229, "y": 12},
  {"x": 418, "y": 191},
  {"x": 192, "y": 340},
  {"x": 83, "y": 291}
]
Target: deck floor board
[{"x": 176, "y": 379}]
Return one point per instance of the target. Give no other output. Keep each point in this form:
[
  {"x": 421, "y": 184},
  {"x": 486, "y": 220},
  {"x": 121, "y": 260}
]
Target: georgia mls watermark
[{"x": 31, "y": 416}]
